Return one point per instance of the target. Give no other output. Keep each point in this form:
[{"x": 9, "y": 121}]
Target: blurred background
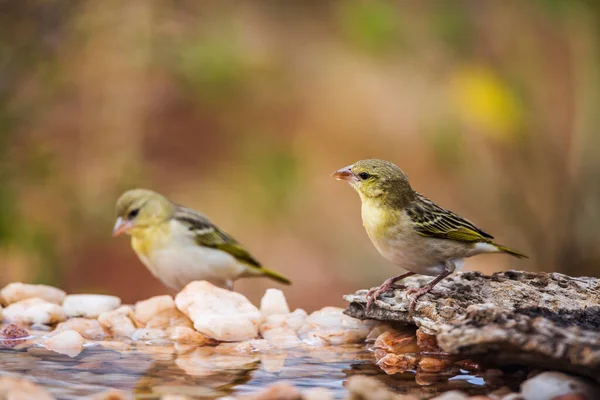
[{"x": 242, "y": 110}]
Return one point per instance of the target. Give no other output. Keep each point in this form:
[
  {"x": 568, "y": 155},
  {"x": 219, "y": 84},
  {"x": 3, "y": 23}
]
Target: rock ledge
[{"x": 548, "y": 320}]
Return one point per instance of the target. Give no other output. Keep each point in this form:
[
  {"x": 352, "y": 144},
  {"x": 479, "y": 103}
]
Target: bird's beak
[
  {"x": 345, "y": 174},
  {"x": 121, "y": 226}
]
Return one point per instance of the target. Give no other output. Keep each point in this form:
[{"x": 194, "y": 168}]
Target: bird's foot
[
  {"x": 385, "y": 287},
  {"x": 416, "y": 293}
]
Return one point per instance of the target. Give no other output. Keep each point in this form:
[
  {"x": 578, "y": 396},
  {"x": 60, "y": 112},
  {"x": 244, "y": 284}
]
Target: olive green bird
[
  {"x": 410, "y": 230},
  {"x": 179, "y": 245}
]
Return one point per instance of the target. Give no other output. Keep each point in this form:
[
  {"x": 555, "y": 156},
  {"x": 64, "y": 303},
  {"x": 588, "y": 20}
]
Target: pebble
[
  {"x": 317, "y": 393},
  {"x": 260, "y": 344},
  {"x": 331, "y": 326},
  {"x": 219, "y": 313},
  {"x": 549, "y": 385},
  {"x": 434, "y": 365},
  {"x": 119, "y": 322},
  {"x": 12, "y": 335},
  {"x": 148, "y": 334},
  {"x": 146, "y": 309},
  {"x": 34, "y": 311},
  {"x": 362, "y": 387},
  {"x": 277, "y": 391},
  {"x": 280, "y": 329},
  {"x": 89, "y": 305},
  {"x": 204, "y": 361},
  {"x": 500, "y": 393},
  {"x": 511, "y": 396},
  {"x": 282, "y": 337},
  {"x": 274, "y": 303},
  {"x": 183, "y": 334},
  {"x": 160, "y": 312},
  {"x": 391, "y": 363},
  {"x": 69, "y": 343},
  {"x": 397, "y": 341},
  {"x": 17, "y": 291},
  {"x": 90, "y": 329},
  {"x": 452, "y": 395},
  {"x": 377, "y": 330},
  {"x": 273, "y": 363},
  {"x": 21, "y": 389},
  {"x": 426, "y": 342}
]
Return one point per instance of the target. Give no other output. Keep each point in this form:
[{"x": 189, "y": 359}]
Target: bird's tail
[
  {"x": 510, "y": 251},
  {"x": 275, "y": 276}
]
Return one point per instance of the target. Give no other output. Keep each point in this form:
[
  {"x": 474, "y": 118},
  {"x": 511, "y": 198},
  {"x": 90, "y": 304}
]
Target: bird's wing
[
  {"x": 208, "y": 234},
  {"x": 434, "y": 221}
]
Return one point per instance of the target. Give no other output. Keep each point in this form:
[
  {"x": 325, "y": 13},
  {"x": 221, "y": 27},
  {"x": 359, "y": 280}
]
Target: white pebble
[
  {"x": 89, "y": 305},
  {"x": 119, "y": 322},
  {"x": 18, "y": 291},
  {"x": 219, "y": 313},
  {"x": 273, "y": 303},
  {"x": 67, "y": 342},
  {"x": 183, "y": 334},
  {"x": 331, "y": 326},
  {"x": 148, "y": 334},
  {"x": 90, "y": 329},
  {"x": 34, "y": 311},
  {"x": 548, "y": 385}
]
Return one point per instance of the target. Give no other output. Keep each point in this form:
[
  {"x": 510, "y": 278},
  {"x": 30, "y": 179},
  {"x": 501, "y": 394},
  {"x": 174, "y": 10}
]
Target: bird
[
  {"x": 410, "y": 230},
  {"x": 180, "y": 245}
]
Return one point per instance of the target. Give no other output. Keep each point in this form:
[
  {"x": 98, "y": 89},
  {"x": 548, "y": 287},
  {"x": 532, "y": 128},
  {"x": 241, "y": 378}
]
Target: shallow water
[{"x": 152, "y": 370}]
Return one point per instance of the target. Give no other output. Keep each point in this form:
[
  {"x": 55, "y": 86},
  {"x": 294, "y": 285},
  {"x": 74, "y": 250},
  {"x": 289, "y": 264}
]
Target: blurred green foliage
[{"x": 371, "y": 25}]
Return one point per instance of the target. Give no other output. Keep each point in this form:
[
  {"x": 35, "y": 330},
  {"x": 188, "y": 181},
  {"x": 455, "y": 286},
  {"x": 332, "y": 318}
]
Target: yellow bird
[
  {"x": 179, "y": 245},
  {"x": 410, "y": 230}
]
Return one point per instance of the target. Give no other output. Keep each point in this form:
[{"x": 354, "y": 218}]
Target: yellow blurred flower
[{"x": 486, "y": 103}]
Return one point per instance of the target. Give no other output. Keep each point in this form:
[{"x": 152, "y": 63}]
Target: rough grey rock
[{"x": 548, "y": 320}]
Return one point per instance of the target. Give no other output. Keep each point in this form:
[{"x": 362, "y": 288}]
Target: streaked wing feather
[
  {"x": 434, "y": 221},
  {"x": 209, "y": 235}
]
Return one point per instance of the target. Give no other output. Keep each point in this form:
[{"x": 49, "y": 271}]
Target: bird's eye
[
  {"x": 364, "y": 175},
  {"x": 133, "y": 213}
]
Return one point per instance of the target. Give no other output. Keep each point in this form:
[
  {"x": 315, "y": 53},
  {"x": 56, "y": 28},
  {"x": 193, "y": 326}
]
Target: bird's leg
[
  {"x": 229, "y": 284},
  {"x": 387, "y": 285},
  {"x": 449, "y": 267}
]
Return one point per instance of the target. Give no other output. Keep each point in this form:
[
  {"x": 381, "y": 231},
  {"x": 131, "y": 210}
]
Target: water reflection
[{"x": 151, "y": 370}]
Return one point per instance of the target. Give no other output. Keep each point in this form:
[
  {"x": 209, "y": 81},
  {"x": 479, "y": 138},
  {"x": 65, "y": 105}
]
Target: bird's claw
[
  {"x": 375, "y": 292},
  {"x": 416, "y": 294}
]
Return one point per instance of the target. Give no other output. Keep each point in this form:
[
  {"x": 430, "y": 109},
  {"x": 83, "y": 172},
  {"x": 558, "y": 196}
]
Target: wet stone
[
  {"x": 274, "y": 303},
  {"x": 398, "y": 342},
  {"x": 148, "y": 334},
  {"x": 548, "y": 385},
  {"x": 17, "y": 291},
  {"x": 90, "y": 329},
  {"x": 34, "y": 311},
  {"x": 12, "y": 336},
  {"x": 68, "y": 342},
  {"x": 219, "y": 313},
  {"x": 426, "y": 342},
  {"x": 89, "y": 305},
  {"x": 330, "y": 326},
  {"x": 118, "y": 322},
  {"x": 152, "y": 350},
  {"x": 183, "y": 334}
]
